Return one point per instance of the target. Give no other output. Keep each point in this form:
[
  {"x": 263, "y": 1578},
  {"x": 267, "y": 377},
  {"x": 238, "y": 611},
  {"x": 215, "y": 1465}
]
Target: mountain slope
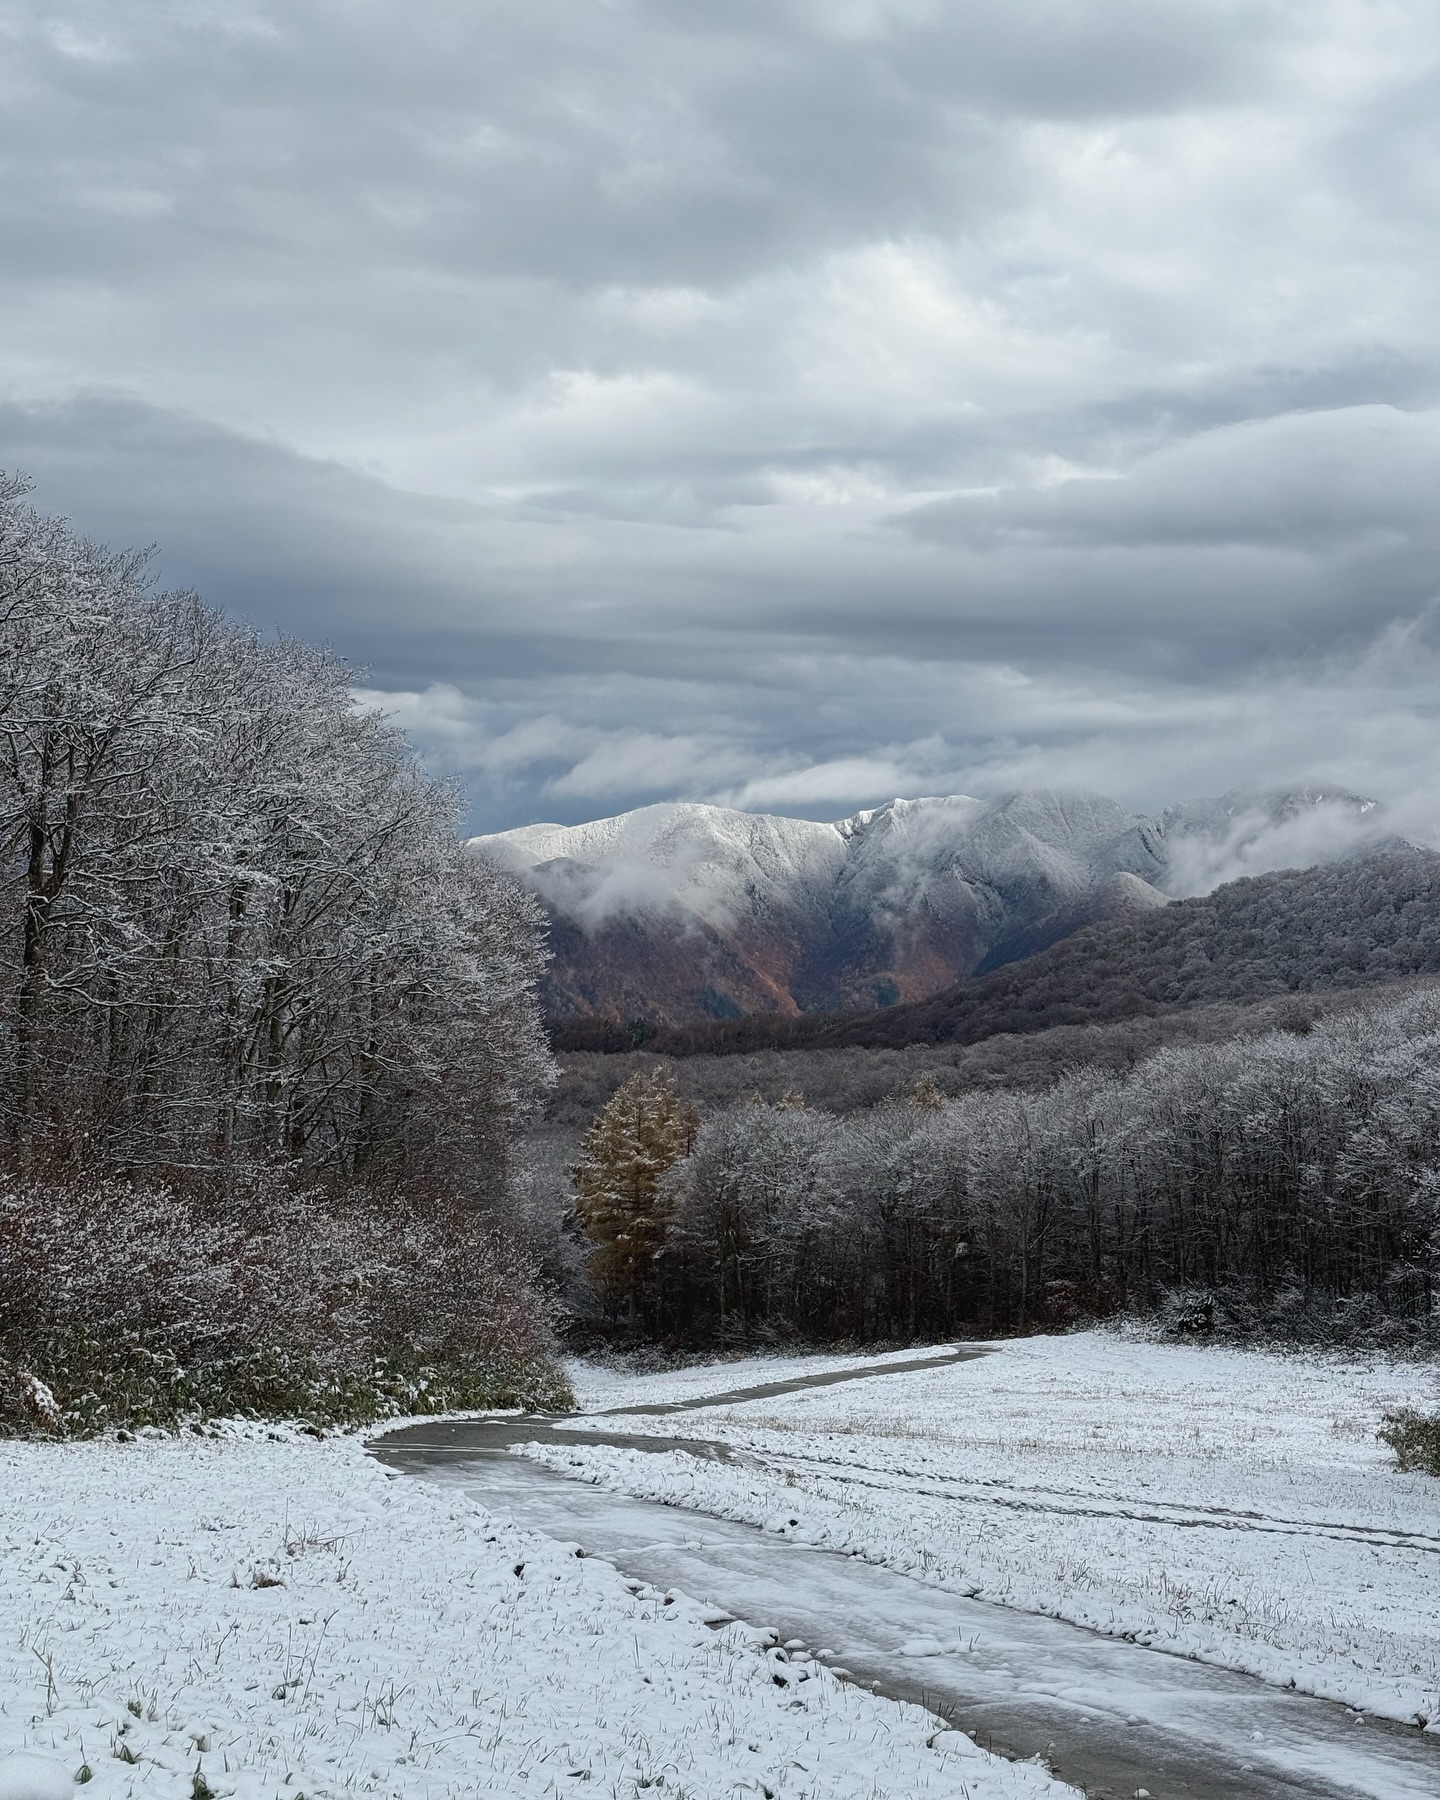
[
  {"x": 676, "y": 912},
  {"x": 1354, "y": 924},
  {"x": 680, "y": 912}
]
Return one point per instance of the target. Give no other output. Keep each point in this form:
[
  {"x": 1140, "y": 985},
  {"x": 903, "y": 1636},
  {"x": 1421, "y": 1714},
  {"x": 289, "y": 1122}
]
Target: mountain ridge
[{"x": 682, "y": 911}]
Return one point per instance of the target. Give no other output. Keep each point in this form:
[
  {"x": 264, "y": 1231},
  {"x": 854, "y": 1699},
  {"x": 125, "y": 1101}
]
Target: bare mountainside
[{"x": 681, "y": 912}]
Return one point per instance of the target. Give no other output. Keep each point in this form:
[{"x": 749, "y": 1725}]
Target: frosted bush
[{"x": 126, "y": 1304}]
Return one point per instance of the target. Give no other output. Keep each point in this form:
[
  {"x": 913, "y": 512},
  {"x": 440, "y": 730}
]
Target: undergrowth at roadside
[
  {"x": 92, "y": 1392},
  {"x": 128, "y": 1306}
]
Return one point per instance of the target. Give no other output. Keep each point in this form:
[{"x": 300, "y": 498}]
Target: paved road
[{"x": 1112, "y": 1718}]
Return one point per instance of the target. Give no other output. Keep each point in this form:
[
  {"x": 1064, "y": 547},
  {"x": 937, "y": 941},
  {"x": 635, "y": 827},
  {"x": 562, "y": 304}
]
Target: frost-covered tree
[
  {"x": 758, "y": 1220},
  {"x": 237, "y": 926},
  {"x": 1288, "y": 1181}
]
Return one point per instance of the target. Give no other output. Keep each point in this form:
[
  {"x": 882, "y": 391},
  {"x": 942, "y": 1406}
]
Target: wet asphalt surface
[{"x": 1112, "y": 1718}]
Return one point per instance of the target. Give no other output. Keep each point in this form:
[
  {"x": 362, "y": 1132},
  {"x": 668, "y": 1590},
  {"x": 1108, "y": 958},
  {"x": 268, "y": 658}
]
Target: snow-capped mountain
[{"x": 684, "y": 911}]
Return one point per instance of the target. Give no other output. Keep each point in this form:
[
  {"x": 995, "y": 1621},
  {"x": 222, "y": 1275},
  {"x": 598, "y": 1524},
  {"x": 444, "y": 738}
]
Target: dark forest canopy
[
  {"x": 853, "y": 1078},
  {"x": 1370, "y": 920}
]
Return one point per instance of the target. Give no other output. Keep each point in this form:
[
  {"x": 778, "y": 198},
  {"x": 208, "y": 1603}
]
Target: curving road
[{"x": 1114, "y": 1719}]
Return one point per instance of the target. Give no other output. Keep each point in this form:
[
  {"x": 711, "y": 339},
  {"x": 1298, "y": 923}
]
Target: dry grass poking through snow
[{"x": 1226, "y": 1504}]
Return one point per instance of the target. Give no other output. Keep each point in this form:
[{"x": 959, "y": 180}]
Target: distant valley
[{"x": 680, "y": 913}]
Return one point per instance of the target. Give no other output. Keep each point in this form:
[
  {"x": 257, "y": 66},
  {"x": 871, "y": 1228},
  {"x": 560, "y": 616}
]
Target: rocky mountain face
[{"x": 680, "y": 912}]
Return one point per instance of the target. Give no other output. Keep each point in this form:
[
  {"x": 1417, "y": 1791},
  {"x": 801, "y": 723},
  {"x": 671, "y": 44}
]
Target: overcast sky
[{"x": 792, "y": 403}]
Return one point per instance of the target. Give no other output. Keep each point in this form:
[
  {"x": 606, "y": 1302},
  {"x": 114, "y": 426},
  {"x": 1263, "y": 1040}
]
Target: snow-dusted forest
[
  {"x": 266, "y": 1030},
  {"x": 1289, "y": 1182},
  {"x": 241, "y": 928}
]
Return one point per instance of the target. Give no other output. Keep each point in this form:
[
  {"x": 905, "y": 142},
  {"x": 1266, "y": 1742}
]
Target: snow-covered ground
[
  {"x": 601, "y": 1385},
  {"x": 1229, "y": 1505},
  {"x": 285, "y": 1618}
]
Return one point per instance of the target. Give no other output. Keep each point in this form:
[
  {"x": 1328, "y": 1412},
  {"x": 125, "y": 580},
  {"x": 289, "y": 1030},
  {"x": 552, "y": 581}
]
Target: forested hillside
[
  {"x": 848, "y": 1079},
  {"x": 681, "y": 913},
  {"x": 1287, "y": 1182},
  {"x": 1369, "y": 920},
  {"x": 258, "y": 1007},
  {"x": 1225, "y": 1113},
  {"x": 1344, "y": 925}
]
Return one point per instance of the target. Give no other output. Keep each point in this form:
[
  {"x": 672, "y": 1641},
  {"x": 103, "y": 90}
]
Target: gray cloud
[{"x": 791, "y": 403}]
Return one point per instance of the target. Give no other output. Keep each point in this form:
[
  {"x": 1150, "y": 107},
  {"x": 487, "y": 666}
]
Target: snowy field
[
  {"x": 599, "y": 1385},
  {"x": 1228, "y": 1505},
  {"x": 284, "y": 1618}
]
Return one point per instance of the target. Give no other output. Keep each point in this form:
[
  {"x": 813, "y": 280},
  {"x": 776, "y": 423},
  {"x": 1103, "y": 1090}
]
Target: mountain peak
[{"x": 683, "y": 909}]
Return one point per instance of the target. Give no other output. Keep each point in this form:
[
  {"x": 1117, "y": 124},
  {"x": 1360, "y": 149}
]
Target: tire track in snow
[{"x": 1093, "y": 1506}]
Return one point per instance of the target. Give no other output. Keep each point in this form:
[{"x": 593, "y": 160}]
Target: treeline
[
  {"x": 240, "y": 940},
  {"x": 237, "y": 926},
  {"x": 130, "y": 1304},
  {"x": 853, "y": 1079},
  {"x": 1292, "y": 1179},
  {"x": 1347, "y": 925}
]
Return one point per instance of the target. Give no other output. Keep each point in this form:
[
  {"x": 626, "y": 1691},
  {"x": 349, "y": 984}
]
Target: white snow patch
[
  {"x": 955, "y": 1743},
  {"x": 284, "y": 1617},
  {"x": 1223, "y": 1504},
  {"x": 24, "y": 1776}
]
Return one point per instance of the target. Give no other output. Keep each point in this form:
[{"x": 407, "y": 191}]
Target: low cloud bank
[{"x": 1242, "y": 839}]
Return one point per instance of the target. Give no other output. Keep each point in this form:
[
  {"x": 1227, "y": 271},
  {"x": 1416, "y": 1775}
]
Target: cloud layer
[{"x": 791, "y": 404}]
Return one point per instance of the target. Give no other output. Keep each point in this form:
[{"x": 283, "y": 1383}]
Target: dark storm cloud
[{"x": 793, "y": 403}]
